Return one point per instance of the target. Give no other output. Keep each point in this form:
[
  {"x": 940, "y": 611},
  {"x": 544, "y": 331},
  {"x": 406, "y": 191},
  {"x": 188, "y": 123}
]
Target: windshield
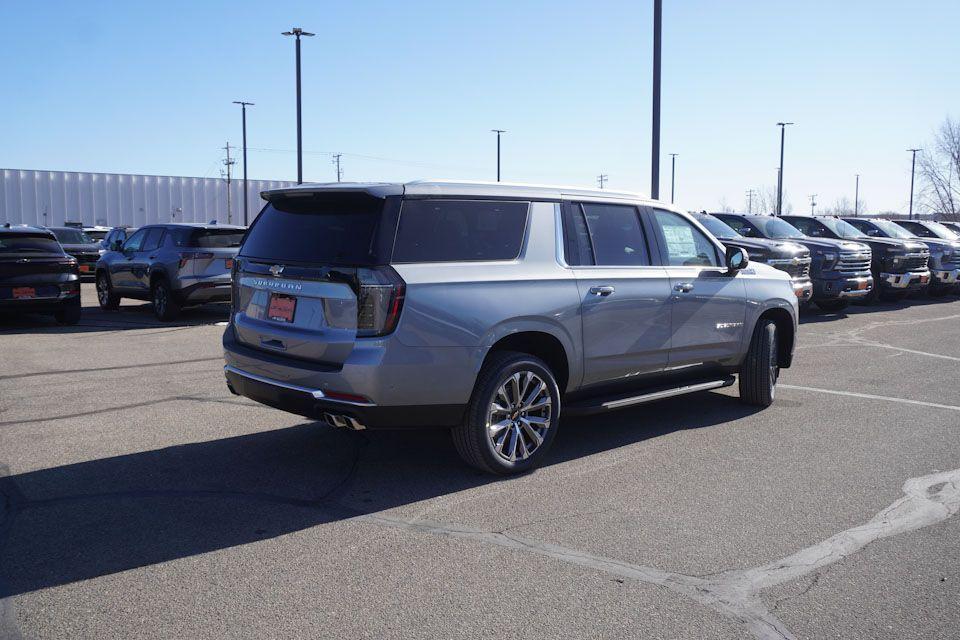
[
  {"x": 717, "y": 228},
  {"x": 29, "y": 244},
  {"x": 96, "y": 235},
  {"x": 72, "y": 236},
  {"x": 842, "y": 229},
  {"x": 941, "y": 231},
  {"x": 776, "y": 228},
  {"x": 892, "y": 230}
]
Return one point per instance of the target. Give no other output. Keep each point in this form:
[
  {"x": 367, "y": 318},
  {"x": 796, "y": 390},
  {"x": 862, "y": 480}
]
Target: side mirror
[{"x": 737, "y": 259}]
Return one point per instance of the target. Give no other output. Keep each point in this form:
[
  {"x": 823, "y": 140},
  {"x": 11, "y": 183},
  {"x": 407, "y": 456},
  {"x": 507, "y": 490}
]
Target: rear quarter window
[{"x": 460, "y": 230}]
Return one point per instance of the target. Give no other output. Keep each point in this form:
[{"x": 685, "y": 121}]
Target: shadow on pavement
[
  {"x": 89, "y": 519},
  {"x": 128, "y": 316}
]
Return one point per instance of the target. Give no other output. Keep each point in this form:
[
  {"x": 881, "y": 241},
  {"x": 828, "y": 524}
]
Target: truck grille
[
  {"x": 915, "y": 262},
  {"x": 796, "y": 267},
  {"x": 854, "y": 262}
]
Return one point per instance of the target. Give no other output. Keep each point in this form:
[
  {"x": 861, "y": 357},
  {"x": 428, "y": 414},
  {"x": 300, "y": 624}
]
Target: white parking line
[{"x": 869, "y": 396}]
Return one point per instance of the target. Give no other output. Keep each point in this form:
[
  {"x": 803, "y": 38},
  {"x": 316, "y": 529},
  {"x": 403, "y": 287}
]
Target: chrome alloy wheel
[{"x": 519, "y": 416}]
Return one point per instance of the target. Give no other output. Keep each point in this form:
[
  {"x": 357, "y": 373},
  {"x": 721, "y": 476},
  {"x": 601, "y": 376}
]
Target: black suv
[
  {"x": 899, "y": 266},
  {"x": 36, "y": 276},
  {"x": 780, "y": 254},
  {"x": 79, "y": 245},
  {"x": 840, "y": 269}
]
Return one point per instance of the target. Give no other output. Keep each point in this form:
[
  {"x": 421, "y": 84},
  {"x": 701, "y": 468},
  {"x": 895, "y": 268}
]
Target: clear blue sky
[{"x": 411, "y": 89}]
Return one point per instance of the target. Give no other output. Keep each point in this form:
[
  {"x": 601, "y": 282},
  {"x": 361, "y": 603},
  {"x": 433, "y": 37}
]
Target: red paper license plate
[
  {"x": 862, "y": 285},
  {"x": 924, "y": 279},
  {"x": 24, "y": 292},
  {"x": 84, "y": 268},
  {"x": 282, "y": 307},
  {"x": 229, "y": 263}
]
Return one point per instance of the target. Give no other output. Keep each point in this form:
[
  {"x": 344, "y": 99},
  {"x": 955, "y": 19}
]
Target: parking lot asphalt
[{"x": 139, "y": 499}]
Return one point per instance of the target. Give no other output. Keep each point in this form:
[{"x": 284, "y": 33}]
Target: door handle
[
  {"x": 683, "y": 287},
  {"x": 602, "y": 291}
]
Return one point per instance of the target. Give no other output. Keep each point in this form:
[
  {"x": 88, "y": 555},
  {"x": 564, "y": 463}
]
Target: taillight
[
  {"x": 379, "y": 301},
  {"x": 186, "y": 257}
]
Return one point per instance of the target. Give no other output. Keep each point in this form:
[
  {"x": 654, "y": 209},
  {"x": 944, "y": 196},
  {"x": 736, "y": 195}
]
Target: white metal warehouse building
[{"x": 50, "y": 198}]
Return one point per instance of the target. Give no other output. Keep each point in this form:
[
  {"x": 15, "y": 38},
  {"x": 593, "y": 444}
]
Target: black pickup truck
[
  {"x": 780, "y": 254},
  {"x": 899, "y": 265},
  {"x": 36, "y": 276},
  {"x": 840, "y": 269}
]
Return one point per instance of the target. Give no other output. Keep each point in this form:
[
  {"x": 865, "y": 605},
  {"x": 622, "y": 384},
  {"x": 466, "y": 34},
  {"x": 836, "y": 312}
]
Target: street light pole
[
  {"x": 673, "y": 174},
  {"x": 783, "y": 129},
  {"x": 913, "y": 170},
  {"x": 655, "y": 133},
  {"x": 856, "y": 198},
  {"x": 243, "y": 108},
  {"x": 298, "y": 32},
  {"x": 498, "y": 132}
]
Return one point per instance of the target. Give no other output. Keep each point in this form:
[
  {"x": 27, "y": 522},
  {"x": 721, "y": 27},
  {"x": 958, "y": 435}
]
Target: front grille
[
  {"x": 796, "y": 267},
  {"x": 915, "y": 262},
  {"x": 853, "y": 262}
]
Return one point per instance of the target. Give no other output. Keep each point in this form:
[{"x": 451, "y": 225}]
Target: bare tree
[
  {"x": 765, "y": 201},
  {"x": 842, "y": 207},
  {"x": 940, "y": 172}
]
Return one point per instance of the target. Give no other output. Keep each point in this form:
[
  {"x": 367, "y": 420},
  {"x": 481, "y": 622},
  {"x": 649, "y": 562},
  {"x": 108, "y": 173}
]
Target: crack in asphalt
[
  {"x": 736, "y": 594},
  {"x": 58, "y": 372}
]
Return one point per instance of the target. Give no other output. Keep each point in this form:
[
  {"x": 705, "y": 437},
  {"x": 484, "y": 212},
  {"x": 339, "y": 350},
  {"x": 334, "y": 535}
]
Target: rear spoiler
[{"x": 376, "y": 190}]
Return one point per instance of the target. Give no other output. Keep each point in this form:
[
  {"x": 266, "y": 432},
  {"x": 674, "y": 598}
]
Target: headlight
[{"x": 829, "y": 260}]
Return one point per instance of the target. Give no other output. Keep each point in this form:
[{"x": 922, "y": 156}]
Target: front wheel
[
  {"x": 512, "y": 417},
  {"x": 759, "y": 371}
]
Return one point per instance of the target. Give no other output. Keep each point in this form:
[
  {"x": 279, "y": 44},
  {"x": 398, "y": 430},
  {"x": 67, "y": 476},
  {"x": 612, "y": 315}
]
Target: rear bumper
[
  {"x": 406, "y": 386},
  {"x": 842, "y": 288},
  {"x": 905, "y": 281},
  {"x": 206, "y": 291},
  {"x": 313, "y": 403}
]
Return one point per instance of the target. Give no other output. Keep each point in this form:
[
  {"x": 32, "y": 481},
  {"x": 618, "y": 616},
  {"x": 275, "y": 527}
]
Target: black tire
[
  {"x": 832, "y": 306},
  {"x": 759, "y": 371},
  {"x": 70, "y": 314},
  {"x": 875, "y": 292},
  {"x": 165, "y": 305},
  {"x": 106, "y": 296},
  {"x": 473, "y": 439}
]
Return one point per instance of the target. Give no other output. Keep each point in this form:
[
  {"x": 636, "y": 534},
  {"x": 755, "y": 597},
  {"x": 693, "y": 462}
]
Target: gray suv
[
  {"x": 484, "y": 307},
  {"x": 171, "y": 265}
]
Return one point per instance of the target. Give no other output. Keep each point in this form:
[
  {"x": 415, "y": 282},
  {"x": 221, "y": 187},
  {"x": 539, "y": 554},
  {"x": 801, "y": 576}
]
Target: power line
[{"x": 336, "y": 160}]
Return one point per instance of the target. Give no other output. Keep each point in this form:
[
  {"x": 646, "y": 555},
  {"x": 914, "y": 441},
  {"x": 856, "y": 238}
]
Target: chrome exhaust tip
[{"x": 343, "y": 422}]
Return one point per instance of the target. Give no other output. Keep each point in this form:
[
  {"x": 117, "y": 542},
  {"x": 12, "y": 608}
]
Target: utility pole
[
  {"x": 655, "y": 130},
  {"x": 813, "y": 202},
  {"x": 673, "y": 173},
  {"x": 913, "y": 171},
  {"x": 498, "y": 132},
  {"x": 243, "y": 107},
  {"x": 336, "y": 161},
  {"x": 749, "y": 200},
  {"x": 602, "y": 179},
  {"x": 783, "y": 128},
  {"x": 298, "y": 32},
  {"x": 229, "y": 164},
  {"x": 856, "y": 198}
]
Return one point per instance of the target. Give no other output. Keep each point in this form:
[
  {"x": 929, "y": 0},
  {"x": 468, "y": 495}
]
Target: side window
[
  {"x": 917, "y": 229},
  {"x": 741, "y": 226},
  {"x": 807, "y": 226},
  {"x": 133, "y": 242},
  {"x": 684, "y": 245},
  {"x": 577, "y": 249},
  {"x": 616, "y": 235},
  {"x": 456, "y": 230},
  {"x": 152, "y": 239},
  {"x": 865, "y": 227}
]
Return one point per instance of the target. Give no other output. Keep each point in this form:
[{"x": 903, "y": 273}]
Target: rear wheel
[
  {"x": 512, "y": 417},
  {"x": 833, "y": 305},
  {"x": 759, "y": 371},
  {"x": 165, "y": 306},
  {"x": 70, "y": 314},
  {"x": 105, "y": 294}
]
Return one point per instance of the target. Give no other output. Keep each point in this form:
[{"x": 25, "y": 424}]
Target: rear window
[
  {"x": 458, "y": 230},
  {"x": 72, "y": 236},
  {"x": 28, "y": 244},
  {"x": 208, "y": 238},
  {"x": 328, "y": 228}
]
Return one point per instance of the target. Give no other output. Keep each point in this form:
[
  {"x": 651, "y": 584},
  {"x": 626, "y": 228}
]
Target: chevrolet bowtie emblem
[{"x": 276, "y": 269}]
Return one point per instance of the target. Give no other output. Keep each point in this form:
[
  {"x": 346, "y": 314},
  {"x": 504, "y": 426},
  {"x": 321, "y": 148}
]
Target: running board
[{"x": 610, "y": 403}]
